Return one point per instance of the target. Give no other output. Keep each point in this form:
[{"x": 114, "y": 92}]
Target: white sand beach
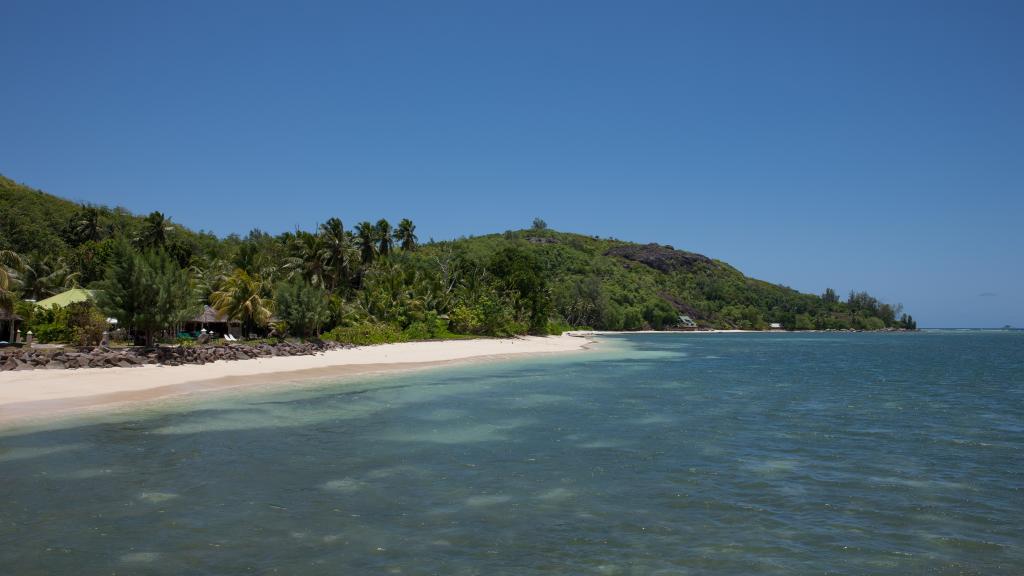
[{"x": 41, "y": 393}]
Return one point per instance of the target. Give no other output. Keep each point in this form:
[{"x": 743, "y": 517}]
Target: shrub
[
  {"x": 302, "y": 307},
  {"x": 418, "y": 331},
  {"x": 365, "y": 334},
  {"x": 557, "y": 326},
  {"x": 50, "y": 325},
  {"x": 429, "y": 328},
  {"x": 803, "y": 322},
  {"x": 632, "y": 319},
  {"x": 466, "y": 319},
  {"x": 53, "y": 332},
  {"x": 86, "y": 322}
]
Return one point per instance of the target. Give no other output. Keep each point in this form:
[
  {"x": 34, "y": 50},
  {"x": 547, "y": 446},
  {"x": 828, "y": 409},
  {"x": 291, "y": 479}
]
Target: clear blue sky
[{"x": 857, "y": 145}]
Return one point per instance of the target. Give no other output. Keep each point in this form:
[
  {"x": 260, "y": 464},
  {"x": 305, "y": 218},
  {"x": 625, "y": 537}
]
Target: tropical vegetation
[{"x": 374, "y": 282}]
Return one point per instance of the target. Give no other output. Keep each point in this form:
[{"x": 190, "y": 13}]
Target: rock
[
  {"x": 663, "y": 258},
  {"x": 99, "y": 357}
]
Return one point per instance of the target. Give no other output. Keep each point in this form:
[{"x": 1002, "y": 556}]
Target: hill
[
  {"x": 617, "y": 285},
  {"x": 376, "y": 275}
]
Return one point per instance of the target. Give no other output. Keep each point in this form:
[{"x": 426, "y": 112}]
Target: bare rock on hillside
[{"x": 663, "y": 258}]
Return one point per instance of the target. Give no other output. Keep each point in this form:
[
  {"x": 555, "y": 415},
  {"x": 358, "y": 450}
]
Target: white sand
[{"x": 36, "y": 393}]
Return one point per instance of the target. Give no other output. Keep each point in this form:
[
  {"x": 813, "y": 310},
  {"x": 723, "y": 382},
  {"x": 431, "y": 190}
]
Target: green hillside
[
  {"x": 617, "y": 285},
  {"x": 375, "y": 282}
]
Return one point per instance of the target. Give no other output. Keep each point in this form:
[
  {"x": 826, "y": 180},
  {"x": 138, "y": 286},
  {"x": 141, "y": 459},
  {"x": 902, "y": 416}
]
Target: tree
[
  {"x": 45, "y": 276},
  {"x": 86, "y": 226},
  {"x": 862, "y": 301},
  {"x": 520, "y": 272},
  {"x": 366, "y": 237},
  {"x": 307, "y": 258},
  {"x": 582, "y": 302},
  {"x": 405, "y": 234},
  {"x": 336, "y": 254},
  {"x": 9, "y": 262},
  {"x": 208, "y": 275},
  {"x": 146, "y": 292},
  {"x": 539, "y": 224},
  {"x": 86, "y": 322},
  {"x": 830, "y": 297},
  {"x": 302, "y": 307},
  {"x": 241, "y": 298},
  {"x": 803, "y": 322},
  {"x": 154, "y": 231},
  {"x": 384, "y": 237}
]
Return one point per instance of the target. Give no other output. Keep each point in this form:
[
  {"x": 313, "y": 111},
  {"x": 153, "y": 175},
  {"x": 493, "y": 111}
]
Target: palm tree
[
  {"x": 86, "y": 225},
  {"x": 384, "y": 237},
  {"x": 9, "y": 262},
  {"x": 307, "y": 258},
  {"x": 366, "y": 237},
  {"x": 208, "y": 275},
  {"x": 45, "y": 276},
  {"x": 335, "y": 253},
  {"x": 405, "y": 234},
  {"x": 154, "y": 231},
  {"x": 241, "y": 297}
]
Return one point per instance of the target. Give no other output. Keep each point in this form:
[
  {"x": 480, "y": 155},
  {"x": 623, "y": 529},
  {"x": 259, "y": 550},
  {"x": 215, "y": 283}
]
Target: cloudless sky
[{"x": 860, "y": 145}]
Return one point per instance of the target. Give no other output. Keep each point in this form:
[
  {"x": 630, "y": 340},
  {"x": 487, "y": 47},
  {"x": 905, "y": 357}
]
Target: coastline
[{"x": 36, "y": 394}]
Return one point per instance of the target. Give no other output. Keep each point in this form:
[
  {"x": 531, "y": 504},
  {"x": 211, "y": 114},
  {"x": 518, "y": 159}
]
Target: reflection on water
[{"x": 662, "y": 454}]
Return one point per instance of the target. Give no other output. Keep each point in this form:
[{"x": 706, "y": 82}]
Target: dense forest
[{"x": 374, "y": 282}]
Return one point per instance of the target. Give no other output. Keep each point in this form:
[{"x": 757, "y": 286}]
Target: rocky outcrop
[
  {"x": 664, "y": 258},
  {"x": 71, "y": 358}
]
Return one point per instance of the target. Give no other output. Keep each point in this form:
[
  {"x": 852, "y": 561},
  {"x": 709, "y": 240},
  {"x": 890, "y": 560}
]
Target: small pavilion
[{"x": 68, "y": 297}]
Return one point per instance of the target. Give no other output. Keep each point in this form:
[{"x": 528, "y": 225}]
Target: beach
[{"x": 38, "y": 394}]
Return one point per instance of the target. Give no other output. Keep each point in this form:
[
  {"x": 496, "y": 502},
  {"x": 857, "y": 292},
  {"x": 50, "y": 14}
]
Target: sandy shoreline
[{"x": 36, "y": 394}]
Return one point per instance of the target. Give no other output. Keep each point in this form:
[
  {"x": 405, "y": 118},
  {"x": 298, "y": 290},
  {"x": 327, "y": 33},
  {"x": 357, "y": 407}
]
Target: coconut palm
[
  {"x": 86, "y": 225},
  {"x": 366, "y": 238},
  {"x": 154, "y": 231},
  {"x": 208, "y": 275},
  {"x": 384, "y": 237},
  {"x": 242, "y": 297},
  {"x": 10, "y": 263},
  {"x": 307, "y": 259},
  {"x": 405, "y": 234},
  {"x": 336, "y": 253},
  {"x": 44, "y": 276}
]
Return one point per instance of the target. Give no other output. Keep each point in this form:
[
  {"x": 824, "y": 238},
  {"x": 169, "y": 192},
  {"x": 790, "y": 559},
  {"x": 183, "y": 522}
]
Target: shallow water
[{"x": 661, "y": 454}]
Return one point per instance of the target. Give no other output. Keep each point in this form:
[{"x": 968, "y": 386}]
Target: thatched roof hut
[
  {"x": 212, "y": 320},
  {"x": 210, "y": 315}
]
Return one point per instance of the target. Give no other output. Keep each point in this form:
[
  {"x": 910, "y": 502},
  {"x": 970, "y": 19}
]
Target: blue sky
[{"x": 862, "y": 145}]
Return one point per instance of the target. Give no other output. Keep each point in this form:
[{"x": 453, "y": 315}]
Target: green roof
[{"x": 69, "y": 297}]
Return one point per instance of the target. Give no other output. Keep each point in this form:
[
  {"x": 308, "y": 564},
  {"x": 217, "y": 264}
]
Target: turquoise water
[{"x": 659, "y": 454}]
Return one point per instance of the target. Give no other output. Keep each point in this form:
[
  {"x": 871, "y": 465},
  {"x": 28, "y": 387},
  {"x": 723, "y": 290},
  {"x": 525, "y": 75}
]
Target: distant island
[{"x": 157, "y": 281}]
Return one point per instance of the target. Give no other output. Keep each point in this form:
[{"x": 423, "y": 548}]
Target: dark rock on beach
[{"x": 72, "y": 358}]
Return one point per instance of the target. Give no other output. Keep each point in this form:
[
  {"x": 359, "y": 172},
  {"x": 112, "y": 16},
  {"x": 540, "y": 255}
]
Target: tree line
[{"x": 372, "y": 282}]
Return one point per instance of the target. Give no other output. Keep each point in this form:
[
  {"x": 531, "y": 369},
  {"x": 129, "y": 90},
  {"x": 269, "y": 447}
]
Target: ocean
[{"x": 653, "y": 454}]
